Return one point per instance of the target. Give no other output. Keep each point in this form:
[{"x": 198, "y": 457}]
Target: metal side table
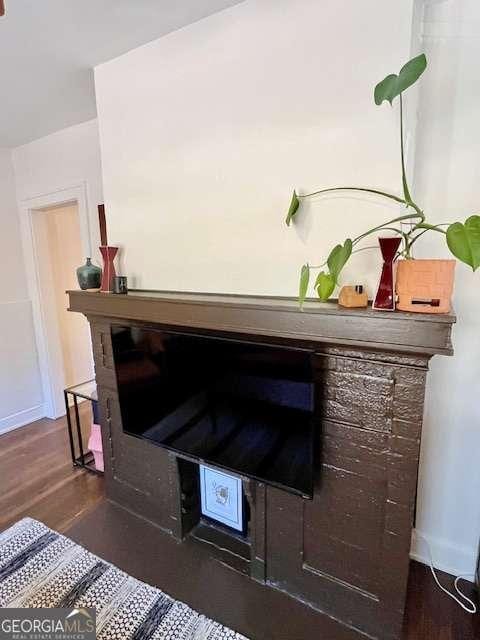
[{"x": 87, "y": 391}]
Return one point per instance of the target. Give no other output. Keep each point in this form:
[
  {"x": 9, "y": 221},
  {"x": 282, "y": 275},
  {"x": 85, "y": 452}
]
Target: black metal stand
[{"x": 87, "y": 391}]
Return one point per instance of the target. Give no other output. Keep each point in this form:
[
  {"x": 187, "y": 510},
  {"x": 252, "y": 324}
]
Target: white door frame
[{"x": 47, "y": 332}]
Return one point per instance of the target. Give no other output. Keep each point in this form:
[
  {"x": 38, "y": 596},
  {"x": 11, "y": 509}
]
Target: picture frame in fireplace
[{"x": 221, "y": 497}]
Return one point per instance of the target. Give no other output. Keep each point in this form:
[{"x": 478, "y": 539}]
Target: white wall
[
  {"x": 447, "y": 175},
  {"x": 62, "y": 167},
  {"x": 205, "y": 132},
  {"x": 65, "y": 159},
  {"x": 20, "y": 393}
]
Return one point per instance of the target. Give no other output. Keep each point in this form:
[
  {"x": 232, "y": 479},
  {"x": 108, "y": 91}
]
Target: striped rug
[{"x": 41, "y": 568}]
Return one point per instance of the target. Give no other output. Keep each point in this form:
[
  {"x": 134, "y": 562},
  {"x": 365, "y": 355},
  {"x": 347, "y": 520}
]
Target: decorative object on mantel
[
  {"x": 120, "y": 285},
  {"x": 419, "y": 284},
  {"x": 463, "y": 239},
  {"x": 385, "y": 296},
  {"x": 102, "y": 223},
  {"x": 42, "y": 568},
  {"x": 108, "y": 253},
  {"x": 353, "y": 297},
  {"x": 89, "y": 276}
]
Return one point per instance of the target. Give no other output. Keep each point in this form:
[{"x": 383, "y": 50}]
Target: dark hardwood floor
[
  {"x": 37, "y": 479},
  {"x": 432, "y": 615}
]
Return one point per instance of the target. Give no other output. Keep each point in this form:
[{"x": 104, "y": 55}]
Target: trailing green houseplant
[{"x": 463, "y": 239}]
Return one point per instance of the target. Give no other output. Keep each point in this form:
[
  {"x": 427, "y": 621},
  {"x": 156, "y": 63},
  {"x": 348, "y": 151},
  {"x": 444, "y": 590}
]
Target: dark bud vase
[
  {"x": 108, "y": 255},
  {"x": 385, "y": 296},
  {"x": 89, "y": 276}
]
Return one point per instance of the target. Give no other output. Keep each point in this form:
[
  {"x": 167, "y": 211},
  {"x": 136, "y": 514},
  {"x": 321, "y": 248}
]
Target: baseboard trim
[
  {"x": 448, "y": 557},
  {"x": 21, "y": 418}
]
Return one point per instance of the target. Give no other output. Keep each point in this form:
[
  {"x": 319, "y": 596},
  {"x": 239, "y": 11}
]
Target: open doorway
[
  {"x": 59, "y": 251},
  {"x": 56, "y": 239}
]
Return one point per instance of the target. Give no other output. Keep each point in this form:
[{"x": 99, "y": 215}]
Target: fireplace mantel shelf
[{"x": 276, "y": 317}]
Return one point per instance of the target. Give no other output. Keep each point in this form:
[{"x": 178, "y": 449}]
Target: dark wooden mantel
[
  {"x": 345, "y": 551},
  {"x": 327, "y": 323}
]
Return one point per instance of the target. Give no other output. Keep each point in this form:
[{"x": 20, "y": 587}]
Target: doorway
[
  {"x": 58, "y": 243},
  {"x": 56, "y": 238}
]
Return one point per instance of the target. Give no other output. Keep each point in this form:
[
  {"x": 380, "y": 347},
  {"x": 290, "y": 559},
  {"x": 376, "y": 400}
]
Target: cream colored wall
[
  {"x": 205, "y": 132},
  {"x": 447, "y": 173},
  {"x": 59, "y": 252},
  {"x": 21, "y": 398},
  {"x": 65, "y": 159},
  {"x": 44, "y": 169}
]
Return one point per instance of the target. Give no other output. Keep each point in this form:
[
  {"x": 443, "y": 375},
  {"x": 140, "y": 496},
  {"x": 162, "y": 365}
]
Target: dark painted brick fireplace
[{"x": 344, "y": 552}]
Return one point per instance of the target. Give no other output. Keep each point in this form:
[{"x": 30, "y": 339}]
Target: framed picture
[{"x": 221, "y": 497}]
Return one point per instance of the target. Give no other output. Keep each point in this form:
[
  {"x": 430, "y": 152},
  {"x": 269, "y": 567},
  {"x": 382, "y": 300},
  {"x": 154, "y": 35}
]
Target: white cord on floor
[{"x": 470, "y": 607}]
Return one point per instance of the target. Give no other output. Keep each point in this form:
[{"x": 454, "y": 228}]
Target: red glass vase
[
  {"x": 108, "y": 255},
  {"x": 385, "y": 296}
]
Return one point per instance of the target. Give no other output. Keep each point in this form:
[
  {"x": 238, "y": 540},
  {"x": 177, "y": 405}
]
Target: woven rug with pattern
[{"x": 41, "y": 568}]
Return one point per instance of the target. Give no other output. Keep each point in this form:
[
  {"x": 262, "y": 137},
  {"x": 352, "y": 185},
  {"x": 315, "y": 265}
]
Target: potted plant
[{"x": 413, "y": 276}]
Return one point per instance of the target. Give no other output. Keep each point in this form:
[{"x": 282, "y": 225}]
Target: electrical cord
[{"x": 471, "y": 606}]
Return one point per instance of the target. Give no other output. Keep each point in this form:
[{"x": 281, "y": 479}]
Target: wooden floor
[{"x": 37, "y": 479}]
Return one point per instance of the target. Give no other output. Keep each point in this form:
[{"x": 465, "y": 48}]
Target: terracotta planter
[{"x": 425, "y": 286}]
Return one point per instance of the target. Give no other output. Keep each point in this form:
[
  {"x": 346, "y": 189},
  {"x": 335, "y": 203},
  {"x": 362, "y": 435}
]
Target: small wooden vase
[
  {"x": 353, "y": 297},
  {"x": 108, "y": 255},
  {"x": 425, "y": 286}
]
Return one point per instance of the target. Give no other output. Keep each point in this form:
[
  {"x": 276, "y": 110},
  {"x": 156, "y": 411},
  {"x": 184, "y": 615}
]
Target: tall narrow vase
[
  {"x": 108, "y": 255},
  {"x": 385, "y": 296}
]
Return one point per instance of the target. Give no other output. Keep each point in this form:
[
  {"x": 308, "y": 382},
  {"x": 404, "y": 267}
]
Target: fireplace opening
[
  {"x": 230, "y": 545},
  {"x": 244, "y": 407}
]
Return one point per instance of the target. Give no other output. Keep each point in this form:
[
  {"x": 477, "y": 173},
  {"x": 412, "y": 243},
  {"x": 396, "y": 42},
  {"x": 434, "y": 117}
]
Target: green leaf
[
  {"x": 303, "y": 286},
  {"x": 392, "y": 86},
  {"x": 411, "y": 72},
  {"x": 294, "y": 204},
  {"x": 338, "y": 258},
  {"x": 464, "y": 241},
  {"x": 385, "y": 90},
  {"x": 324, "y": 284}
]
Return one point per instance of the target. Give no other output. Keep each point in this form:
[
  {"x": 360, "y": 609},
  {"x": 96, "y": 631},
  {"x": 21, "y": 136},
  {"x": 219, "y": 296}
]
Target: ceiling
[{"x": 48, "y": 49}]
